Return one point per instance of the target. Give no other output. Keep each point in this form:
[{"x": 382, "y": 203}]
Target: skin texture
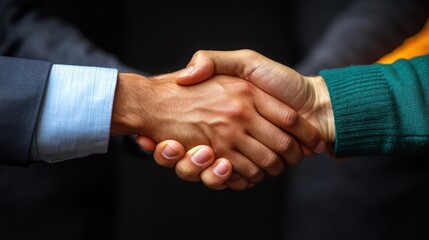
[
  {"x": 308, "y": 96},
  {"x": 224, "y": 112}
]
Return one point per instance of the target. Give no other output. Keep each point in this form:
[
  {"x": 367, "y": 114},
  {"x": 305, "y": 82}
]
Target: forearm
[{"x": 381, "y": 109}]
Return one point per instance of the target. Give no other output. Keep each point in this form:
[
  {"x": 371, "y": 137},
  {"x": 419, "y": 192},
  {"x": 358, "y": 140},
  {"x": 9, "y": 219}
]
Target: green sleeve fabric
[{"x": 381, "y": 109}]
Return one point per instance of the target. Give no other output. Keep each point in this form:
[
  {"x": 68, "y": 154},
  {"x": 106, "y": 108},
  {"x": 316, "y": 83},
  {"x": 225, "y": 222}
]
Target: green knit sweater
[{"x": 381, "y": 109}]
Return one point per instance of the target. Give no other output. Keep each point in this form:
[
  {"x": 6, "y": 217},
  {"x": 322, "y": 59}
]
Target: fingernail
[
  {"x": 320, "y": 147},
  {"x": 186, "y": 72},
  {"x": 221, "y": 169},
  {"x": 169, "y": 152},
  {"x": 200, "y": 157}
]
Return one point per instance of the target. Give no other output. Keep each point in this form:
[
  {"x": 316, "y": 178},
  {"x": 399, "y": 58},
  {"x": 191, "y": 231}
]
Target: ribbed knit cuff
[{"x": 363, "y": 110}]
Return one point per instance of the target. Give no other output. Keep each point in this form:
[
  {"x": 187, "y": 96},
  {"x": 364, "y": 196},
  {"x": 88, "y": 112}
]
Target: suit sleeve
[{"x": 22, "y": 86}]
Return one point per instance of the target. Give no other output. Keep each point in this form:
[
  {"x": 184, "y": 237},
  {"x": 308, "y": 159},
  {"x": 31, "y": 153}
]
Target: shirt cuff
[{"x": 76, "y": 113}]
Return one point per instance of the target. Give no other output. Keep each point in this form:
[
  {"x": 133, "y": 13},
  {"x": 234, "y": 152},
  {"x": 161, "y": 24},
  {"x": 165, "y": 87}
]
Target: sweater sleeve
[{"x": 381, "y": 109}]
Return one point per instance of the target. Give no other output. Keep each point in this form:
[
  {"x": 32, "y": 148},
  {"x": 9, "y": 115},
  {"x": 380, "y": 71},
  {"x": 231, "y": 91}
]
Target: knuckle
[
  {"x": 237, "y": 110},
  {"x": 276, "y": 172},
  {"x": 294, "y": 162},
  {"x": 270, "y": 160},
  {"x": 290, "y": 118},
  {"x": 284, "y": 144},
  {"x": 313, "y": 138},
  {"x": 199, "y": 53},
  {"x": 253, "y": 58},
  {"x": 243, "y": 88},
  {"x": 294, "y": 159},
  {"x": 248, "y": 53},
  {"x": 255, "y": 174}
]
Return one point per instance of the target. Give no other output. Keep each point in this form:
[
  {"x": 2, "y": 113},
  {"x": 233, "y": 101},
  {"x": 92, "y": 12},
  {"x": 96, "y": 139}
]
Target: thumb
[
  {"x": 205, "y": 63},
  {"x": 200, "y": 68}
]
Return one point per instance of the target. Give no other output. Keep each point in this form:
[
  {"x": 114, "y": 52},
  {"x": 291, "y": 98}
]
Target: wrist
[
  {"x": 125, "y": 113},
  {"x": 323, "y": 107}
]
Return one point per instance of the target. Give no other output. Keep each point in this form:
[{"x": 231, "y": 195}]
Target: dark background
[
  {"x": 124, "y": 195},
  {"x": 161, "y": 36}
]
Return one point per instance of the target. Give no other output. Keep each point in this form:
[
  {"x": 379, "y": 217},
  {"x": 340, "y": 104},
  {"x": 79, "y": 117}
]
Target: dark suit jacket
[{"x": 22, "y": 84}]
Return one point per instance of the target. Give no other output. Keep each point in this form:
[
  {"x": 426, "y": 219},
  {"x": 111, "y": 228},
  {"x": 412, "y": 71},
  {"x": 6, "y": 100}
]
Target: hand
[
  {"x": 307, "y": 95},
  {"x": 225, "y": 113},
  {"x": 213, "y": 173}
]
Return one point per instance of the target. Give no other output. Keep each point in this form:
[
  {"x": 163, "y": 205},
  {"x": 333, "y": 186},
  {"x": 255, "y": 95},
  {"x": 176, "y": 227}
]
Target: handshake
[{"x": 228, "y": 119}]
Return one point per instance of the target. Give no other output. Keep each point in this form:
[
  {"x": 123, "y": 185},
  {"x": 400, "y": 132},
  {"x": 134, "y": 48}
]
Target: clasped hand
[{"x": 248, "y": 116}]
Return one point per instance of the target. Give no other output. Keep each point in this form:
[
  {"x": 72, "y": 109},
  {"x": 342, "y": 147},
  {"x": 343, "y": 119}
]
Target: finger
[
  {"x": 245, "y": 167},
  {"x": 236, "y": 182},
  {"x": 262, "y": 156},
  {"x": 199, "y": 69},
  {"x": 195, "y": 160},
  {"x": 307, "y": 152},
  {"x": 217, "y": 174},
  {"x": 277, "y": 140},
  {"x": 168, "y": 152},
  {"x": 289, "y": 120},
  {"x": 146, "y": 143},
  {"x": 248, "y": 65},
  {"x": 204, "y": 64}
]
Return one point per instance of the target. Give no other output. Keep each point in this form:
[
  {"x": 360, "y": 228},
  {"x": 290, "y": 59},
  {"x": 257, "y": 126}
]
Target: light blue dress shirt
[{"x": 75, "y": 117}]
